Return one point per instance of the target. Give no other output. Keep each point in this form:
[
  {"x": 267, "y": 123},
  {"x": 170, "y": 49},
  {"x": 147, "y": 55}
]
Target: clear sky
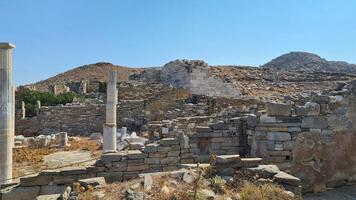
[{"x": 55, "y": 36}]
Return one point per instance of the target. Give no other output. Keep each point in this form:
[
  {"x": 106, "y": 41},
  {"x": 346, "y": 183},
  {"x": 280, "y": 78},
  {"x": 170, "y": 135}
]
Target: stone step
[{"x": 225, "y": 159}]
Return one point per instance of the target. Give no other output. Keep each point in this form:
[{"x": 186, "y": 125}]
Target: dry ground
[{"x": 30, "y": 160}]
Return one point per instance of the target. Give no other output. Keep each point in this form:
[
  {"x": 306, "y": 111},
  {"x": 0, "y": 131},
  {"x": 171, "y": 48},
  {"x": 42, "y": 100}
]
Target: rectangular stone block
[
  {"x": 294, "y": 129},
  {"x": 157, "y": 155},
  {"x": 272, "y": 129},
  {"x": 111, "y": 157},
  {"x": 136, "y": 161},
  {"x": 187, "y": 160},
  {"x": 278, "y": 109},
  {"x": 135, "y": 154},
  {"x": 203, "y": 129},
  {"x": 136, "y": 167},
  {"x": 164, "y": 149},
  {"x": 36, "y": 180},
  {"x": 152, "y": 161},
  {"x": 169, "y": 141},
  {"x": 170, "y": 160},
  {"x": 278, "y": 147},
  {"x": 173, "y": 153},
  {"x": 111, "y": 176},
  {"x": 278, "y": 136},
  {"x": 149, "y": 148},
  {"x": 62, "y": 180},
  {"x": 119, "y": 166},
  {"x": 314, "y": 122},
  {"x": 74, "y": 171},
  {"x": 175, "y": 147}
]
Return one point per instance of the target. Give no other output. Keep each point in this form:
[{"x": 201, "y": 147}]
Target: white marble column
[
  {"x": 23, "y": 110},
  {"x": 7, "y": 114},
  {"x": 109, "y": 132}
]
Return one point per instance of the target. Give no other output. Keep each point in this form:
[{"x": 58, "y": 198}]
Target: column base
[{"x": 109, "y": 137}]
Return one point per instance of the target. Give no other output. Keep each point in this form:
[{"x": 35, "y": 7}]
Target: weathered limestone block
[
  {"x": 264, "y": 171},
  {"x": 150, "y": 148},
  {"x": 224, "y": 159},
  {"x": 140, "y": 167},
  {"x": 36, "y": 180},
  {"x": 111, "y": 176},
  {"x": 169, "y": 141},
  {"x": 267, "y": 119},
  {"x": 170, "y": 160},
  {"x": 277, "y": 109},
  {"x": 203, "y": 129},
  {"x": 294, "y": 129},
  {"x": 314, "y": 122},
  {"x": 278, "y": 136},
  {"x": 111, "y": 157},
  {"x": 152, "y": 161},
  {"x": 94, "y": 182},
  {"x": 73, "y": 171},
  {"x": 164, "y": 149},
  {"x": 52, "y": 189},
  {"x": 21, "y": 193},
  {"x": 284, "y": 178},
  {"x": 48, "y": 197},
  {"x": 135, "y": 154},
  {"x": 309, "y": 109},
  {"x": 173, "y": 153}
]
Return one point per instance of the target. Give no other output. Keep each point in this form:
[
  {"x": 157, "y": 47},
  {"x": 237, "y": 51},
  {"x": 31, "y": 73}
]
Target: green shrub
[
  {"x": 47, "y": 99},
  {"x": 218, "y": 185}
]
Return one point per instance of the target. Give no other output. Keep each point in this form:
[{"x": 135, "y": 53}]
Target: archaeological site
[{"x": 184, "y": 130}]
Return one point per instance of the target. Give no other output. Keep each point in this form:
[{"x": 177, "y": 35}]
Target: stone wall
[
  {"x": 315, "y": 142},
  {"x": 195, "y": 76}
]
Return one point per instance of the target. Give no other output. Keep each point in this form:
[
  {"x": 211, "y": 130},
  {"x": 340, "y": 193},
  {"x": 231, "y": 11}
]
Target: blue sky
[{"x": 55, "y": 36}]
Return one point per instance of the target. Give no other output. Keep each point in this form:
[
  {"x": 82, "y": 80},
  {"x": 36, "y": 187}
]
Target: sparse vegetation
[
  {"x": 33, "y": 157},
  {"x": 47, "y": 99},
  {"x": 251, "y": 191}
]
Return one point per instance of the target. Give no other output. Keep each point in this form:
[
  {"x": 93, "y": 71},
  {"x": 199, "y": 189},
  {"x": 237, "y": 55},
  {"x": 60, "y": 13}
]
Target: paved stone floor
[
  {"x": 61, "y": 159},
  {"x": 343, "y": 193}
]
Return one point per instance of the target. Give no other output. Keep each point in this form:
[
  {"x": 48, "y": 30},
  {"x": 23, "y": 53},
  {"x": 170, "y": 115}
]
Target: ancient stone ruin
[{"x": 184, "y": 117}]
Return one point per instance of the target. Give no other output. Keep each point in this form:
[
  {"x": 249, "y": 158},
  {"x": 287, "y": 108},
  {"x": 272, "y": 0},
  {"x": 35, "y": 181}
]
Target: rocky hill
[
  {"x": 92, "y": 72},
  {"x": 309, "y": 62}
]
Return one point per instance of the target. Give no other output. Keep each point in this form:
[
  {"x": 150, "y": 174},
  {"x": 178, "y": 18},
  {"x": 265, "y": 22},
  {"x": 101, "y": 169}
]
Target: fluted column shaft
[
  {"x": 109, "y": 133},
  {"x": 7, "y": 114}
]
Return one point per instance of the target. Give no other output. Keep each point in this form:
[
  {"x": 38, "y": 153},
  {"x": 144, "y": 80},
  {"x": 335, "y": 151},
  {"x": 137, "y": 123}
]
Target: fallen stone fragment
[
  {"x": 284, "y": 178},
  {"x": 147, "y": 182},
  {"x": 94, "y": 182}
]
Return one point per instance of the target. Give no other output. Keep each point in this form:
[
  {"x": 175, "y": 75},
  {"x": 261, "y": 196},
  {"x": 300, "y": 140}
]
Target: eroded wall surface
[{"x": 315, "y": 142}]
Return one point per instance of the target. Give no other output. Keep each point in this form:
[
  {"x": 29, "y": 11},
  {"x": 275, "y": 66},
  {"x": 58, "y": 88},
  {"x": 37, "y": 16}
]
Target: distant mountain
[{"x": 309, "y": 62}]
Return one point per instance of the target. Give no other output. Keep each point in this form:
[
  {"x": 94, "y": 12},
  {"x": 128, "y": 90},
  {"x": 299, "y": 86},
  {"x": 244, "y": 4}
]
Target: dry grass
[
  {"x": 251, "y": 191},
  {"x": 32, "y": 158}
]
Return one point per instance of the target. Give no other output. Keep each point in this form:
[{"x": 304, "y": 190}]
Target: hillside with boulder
[{"x": 309, "y": 62}]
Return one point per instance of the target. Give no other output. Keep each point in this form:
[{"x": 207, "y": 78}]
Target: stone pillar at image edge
[
  {"x": 110, "y": 130},
  {"x": 7, "y": 113}
]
